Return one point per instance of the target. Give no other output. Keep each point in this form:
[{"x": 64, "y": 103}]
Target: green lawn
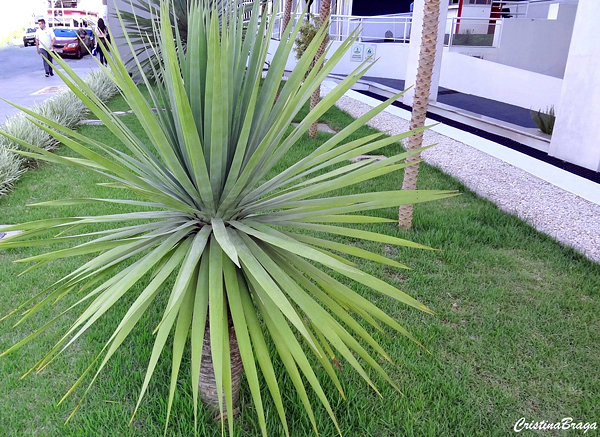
[{"x": 515, "y": 334}]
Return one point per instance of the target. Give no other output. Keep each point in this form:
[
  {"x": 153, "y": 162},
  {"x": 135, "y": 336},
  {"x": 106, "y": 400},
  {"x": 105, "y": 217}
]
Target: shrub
[
  {"x": 544, "y": 120},
  {"x": 11, "y": 167},
  {"x": 307, "y": 31}
]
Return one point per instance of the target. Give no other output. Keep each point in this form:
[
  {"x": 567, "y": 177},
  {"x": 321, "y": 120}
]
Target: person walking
[
  {"x": 103, "y": 37},
  {"x": 44, "y": 43}
]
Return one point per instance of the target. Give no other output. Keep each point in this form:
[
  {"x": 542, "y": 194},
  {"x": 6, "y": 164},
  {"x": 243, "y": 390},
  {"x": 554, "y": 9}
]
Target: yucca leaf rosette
[{"x": 245, "y": 246}]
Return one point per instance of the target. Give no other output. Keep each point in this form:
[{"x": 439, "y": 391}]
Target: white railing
[
  {"x": 504, "y": 3},
  {"x": 460, "y": 31},
  {"x": 278, "y": 28},
  {"x": 515, "y": 8},
  {"x": 510, "y": 9},
  {"x": 382, "y": 28}
]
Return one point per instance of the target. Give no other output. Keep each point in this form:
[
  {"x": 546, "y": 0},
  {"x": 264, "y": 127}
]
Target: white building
[{"x": 72, "y": 13}]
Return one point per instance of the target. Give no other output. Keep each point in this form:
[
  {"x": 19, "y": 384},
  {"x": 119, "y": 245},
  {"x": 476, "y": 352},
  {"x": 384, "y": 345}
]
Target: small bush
[
  {"x": 11, "y": 37},
  {"x": 66, "y": 109},
  {"x": 11, "y": 167},
  {"x": 102, "y": 85},
  {"x": 544, "y": 120},
  {"x": 307, "y": 32}
]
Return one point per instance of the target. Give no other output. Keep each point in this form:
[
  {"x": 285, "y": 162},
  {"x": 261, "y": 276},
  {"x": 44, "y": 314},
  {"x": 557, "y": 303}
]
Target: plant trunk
[
  {"x": 287, "y": 15},
  {"x": 324, "y": 13},
  {"x": 314, "y": 100},
  {"x": 207, "y": 384},
  {"x": 420, "y": 102}
]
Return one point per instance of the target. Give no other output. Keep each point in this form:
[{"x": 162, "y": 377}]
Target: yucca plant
[
  {"x": 236, "y": 240},
  {"x": 544, "y": 120}
]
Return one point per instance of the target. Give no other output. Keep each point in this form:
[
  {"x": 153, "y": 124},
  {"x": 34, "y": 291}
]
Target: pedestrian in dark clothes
[{"x": 103, "y": 37}]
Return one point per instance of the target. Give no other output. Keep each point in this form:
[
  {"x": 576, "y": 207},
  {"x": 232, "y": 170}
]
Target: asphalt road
[{"x": 22, "y": 78}]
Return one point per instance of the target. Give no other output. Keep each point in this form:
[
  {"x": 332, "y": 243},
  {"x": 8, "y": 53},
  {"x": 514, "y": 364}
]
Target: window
[{"x": 70, "y": 33}]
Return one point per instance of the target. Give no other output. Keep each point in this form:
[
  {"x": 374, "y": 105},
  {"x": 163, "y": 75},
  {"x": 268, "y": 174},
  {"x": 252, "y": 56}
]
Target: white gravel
[{"x": 564, "y": 216}]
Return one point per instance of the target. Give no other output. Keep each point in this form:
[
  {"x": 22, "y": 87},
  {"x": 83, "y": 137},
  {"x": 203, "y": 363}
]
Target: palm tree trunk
[
  {"x": 324, "y": 13},
  {"x": 207, "y": 385},
  {"x": 287, "y": 15},
  {"x": 420, "y": 102}
]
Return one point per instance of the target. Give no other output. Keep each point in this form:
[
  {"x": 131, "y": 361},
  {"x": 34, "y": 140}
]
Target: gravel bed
[{"x": 564, "y": 216}]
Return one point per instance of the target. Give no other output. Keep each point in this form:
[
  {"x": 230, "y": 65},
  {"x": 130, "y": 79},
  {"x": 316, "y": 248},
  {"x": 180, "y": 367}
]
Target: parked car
[
  {"x": 29, "y": 37},
  {"x": 72, "y": 42}
]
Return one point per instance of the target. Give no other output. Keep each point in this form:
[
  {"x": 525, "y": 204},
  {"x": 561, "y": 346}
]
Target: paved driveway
[{"x": 22, "y": 77}]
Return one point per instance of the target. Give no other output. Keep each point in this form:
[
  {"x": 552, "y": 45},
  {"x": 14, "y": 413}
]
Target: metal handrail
[
  {"x": 520, "y": 9},
  {"x": 343, "y": 25},
  {"x": 516, "y": 9}
]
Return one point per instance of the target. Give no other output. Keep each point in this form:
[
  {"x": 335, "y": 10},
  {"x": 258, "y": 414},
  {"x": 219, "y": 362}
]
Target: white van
[{"x": 29, "y": 37}]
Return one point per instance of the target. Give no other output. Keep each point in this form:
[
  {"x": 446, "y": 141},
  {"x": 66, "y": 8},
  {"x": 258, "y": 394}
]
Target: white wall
[
  {"x": 576, "y": 136},
  {"x": 538, "y": 11},
  {"x": 499, "y": 82},
  {"x": 464, "y": 74},
  {"x": 391, "y": 61},
  {"x": 113, "y": 22},
  {"x": 475, "y": 26},
  {"x": 538, "y": 45},
  {"x": 116, "y": 30}
]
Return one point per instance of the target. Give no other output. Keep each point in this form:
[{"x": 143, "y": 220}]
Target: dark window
[{"x": 380, "y": 7}]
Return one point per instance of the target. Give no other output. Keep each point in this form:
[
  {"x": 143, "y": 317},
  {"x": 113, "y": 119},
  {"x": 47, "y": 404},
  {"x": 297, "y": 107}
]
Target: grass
[{"x": 516, "y": 330}]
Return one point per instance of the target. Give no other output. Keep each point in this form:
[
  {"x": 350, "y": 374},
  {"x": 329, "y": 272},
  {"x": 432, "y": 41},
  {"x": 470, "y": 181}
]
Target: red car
[{"x": 72, "y": 42}]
